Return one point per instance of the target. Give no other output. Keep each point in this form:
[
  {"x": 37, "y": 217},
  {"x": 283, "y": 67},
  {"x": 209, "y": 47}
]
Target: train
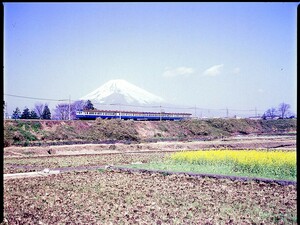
[{"x": 130, "y": 115}]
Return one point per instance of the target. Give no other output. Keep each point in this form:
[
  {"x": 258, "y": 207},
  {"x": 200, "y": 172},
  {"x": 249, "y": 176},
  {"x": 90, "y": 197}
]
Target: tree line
[
  {"x": 61, "y": 112},
  {"x": 66, "y": 111},
  {"x": 281, "y": 112}
]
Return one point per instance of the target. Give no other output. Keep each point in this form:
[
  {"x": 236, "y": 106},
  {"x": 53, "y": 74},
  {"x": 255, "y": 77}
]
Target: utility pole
[
  {"x": 5, "y": 109},
  {"x": 227, "y": 113},
  {"x": 255, "y": 112},
  {"x": 160, "y": 113},
  {"x": 195, "y": 111},
  {"x": 69, "y": 107}
]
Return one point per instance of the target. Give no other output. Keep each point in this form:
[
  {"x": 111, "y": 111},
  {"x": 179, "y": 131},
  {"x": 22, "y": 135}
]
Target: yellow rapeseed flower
[{"x": 245, "y": 160}]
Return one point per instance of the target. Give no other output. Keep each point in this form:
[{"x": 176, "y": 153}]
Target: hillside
[{"x": 37, "y": 133}]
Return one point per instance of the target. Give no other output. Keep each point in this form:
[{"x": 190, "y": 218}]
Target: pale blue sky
[{"x": 212, "y": 55}]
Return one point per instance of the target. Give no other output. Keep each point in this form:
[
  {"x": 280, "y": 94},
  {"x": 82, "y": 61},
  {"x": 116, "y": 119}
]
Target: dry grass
[{"x": 26, "y": 133}]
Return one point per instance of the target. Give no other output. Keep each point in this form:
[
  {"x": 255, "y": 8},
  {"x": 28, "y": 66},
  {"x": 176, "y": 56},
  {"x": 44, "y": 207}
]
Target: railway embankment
[{"x": 51, "y": 132}]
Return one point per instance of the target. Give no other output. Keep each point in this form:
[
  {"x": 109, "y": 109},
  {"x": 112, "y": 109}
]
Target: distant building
[{"x": 254, "y": 118}]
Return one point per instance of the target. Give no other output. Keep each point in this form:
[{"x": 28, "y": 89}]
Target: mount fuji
[{"x": 122, "y": 92}]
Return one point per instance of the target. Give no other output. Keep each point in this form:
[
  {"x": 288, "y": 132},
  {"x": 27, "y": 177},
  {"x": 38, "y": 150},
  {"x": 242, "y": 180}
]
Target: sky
[{"x": 235, "y": 56}]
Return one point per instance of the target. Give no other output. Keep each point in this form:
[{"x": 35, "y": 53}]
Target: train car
[{"x": 130, "y": 115}]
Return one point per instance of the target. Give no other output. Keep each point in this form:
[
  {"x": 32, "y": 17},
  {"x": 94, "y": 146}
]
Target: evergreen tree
[
  {"x": 25, "y": 114},
  {"x": 16, "y": 114},
  {"x": 33, "y": 115},
  {"x": 46, "y": 115},
  {"x": 88, "y": 105}
]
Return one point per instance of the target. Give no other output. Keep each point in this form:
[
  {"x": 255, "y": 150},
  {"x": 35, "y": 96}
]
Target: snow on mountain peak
[{"x": 122, "y": 92}]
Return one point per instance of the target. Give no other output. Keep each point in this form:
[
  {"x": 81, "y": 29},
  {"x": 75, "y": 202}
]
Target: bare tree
[
  {"x": 76, "y": 106},
  {"x": 39, "y": 108},
  {"x": 61, "y": 112},
  {"x": 283, "y": 110},
  {"x": 272, "y": 113}
]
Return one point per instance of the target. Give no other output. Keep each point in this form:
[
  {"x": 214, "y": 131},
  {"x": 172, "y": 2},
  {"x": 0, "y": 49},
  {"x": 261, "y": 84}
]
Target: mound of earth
[{"x": 45, "y": 132}]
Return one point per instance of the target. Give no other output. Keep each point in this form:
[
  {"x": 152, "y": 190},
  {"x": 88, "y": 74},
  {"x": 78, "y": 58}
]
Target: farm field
[
  {"x": 29, "y": 164},
  {"x": 88, "y": 192},
  {"x": 249, "y": 163},
  {"x": 112, "y": 197}
]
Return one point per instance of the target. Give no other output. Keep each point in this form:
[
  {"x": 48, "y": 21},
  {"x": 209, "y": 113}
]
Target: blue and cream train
[{"x": 130, "y": 115}]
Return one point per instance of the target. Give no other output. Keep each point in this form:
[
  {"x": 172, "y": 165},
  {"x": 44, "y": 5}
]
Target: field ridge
[{"x": 51, "y": 132}]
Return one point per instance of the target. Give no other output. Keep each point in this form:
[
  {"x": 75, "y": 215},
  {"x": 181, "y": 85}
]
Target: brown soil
[
  {"x": 138, "y": 198},
  {"x": 238, "y": 142}
]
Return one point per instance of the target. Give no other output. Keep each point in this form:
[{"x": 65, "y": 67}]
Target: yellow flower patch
[{"x": 242, "y": 160}]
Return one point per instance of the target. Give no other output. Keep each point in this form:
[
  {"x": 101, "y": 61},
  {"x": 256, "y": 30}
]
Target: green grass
[{"x": 207, "y": 169}]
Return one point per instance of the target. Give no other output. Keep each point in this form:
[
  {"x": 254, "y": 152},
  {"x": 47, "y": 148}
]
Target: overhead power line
[
  {"x": 143, "y": 106},
  {"x": 46, "y": 99}
]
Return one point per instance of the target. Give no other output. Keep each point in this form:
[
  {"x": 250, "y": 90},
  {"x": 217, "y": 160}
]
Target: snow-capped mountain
[{"x": 122, "y": 92}]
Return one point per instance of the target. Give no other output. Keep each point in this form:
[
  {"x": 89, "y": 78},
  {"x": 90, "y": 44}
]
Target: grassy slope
[{"x": 27, "y": 132}]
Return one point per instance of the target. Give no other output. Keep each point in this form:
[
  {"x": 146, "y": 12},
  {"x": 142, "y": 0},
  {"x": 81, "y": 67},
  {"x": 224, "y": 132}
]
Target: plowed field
[
  {"x": 111, "y": 197},
  {"x": 126, "y": 197}
]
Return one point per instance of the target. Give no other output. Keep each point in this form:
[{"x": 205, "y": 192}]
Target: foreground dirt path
[
  {"x": 48, "y": 172},
  {"x": 238, "y": 142}
]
